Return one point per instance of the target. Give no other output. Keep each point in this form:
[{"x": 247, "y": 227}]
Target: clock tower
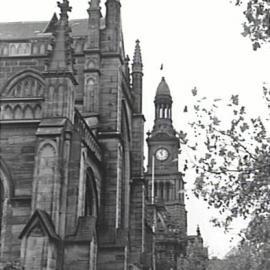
[{"x": 165, "y": 182}]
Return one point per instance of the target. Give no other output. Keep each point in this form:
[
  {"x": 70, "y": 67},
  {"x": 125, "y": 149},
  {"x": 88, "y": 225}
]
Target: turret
[
  {"x": 163, "y": 101},
  {"x": 93, "y": 39},
  {"x": 92, "y": 65},
  {"x": 137, "y": 76},
  {"x": 113, "y": 15}
]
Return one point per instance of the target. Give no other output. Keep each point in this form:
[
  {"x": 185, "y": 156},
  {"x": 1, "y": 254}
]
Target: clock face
[{"x": 162, "y": 154}]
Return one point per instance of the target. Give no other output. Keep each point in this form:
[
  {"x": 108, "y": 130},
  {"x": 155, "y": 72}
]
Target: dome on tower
[{"x": 163, "y": 88}]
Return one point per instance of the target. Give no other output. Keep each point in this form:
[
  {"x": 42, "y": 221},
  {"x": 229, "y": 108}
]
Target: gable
[{"x": 40, "y": 224}]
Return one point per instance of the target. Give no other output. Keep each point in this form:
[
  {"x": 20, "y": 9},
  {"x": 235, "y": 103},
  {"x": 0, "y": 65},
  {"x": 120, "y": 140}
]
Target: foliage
[
  {"x": 257, "y": 25},
  {"x": 232, "y": 163},
  {"x": 196, "y": 258},
  {"x": 12, "y": 266},
  {"x": 245, "y": 257},
  {"x": 216, "y": 264}
]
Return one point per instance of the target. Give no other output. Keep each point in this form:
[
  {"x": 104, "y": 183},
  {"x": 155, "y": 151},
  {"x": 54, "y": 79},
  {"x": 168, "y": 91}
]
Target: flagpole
[
  {"x": 153, "y": 179},
  {"x": 154, "y": 214}
]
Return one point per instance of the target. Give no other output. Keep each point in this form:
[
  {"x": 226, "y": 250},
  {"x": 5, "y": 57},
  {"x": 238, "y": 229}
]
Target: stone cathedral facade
[{"x": 73, "y": 191}]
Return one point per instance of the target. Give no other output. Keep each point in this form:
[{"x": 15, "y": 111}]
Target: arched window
[
  {"x": 7, "y": 112},
  {"x": 90, "y": 195},
  {"x": 1, "y": 207},
  {"x": 90, "y": 94},
  {"x": 5, "y": 51},
  {"x": 37, "y": 112},
  {"x": 45, "y": 180},
  {"x": 20, "y": 49},
  {"x": 28, "y": 112},
  {"x": 4, "y": 196},
  {"x": 18, "y": 112},
  {"x": 42, "y": 49},
  {"x": 35, "y": 49},
  {"x": 13, "y": 50}
]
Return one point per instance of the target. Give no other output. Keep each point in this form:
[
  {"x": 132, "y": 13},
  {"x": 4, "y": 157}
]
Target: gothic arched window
[
  {"x": 13, "y": 50},
  {"x": 1, "y": 206},
  {"x": 90, "y": 93},
  {"x": 90, "y": 195},
  {"x": 45, "y": 180}
]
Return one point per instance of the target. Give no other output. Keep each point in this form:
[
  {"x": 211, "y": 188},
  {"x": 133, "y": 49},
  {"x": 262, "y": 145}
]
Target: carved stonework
[
  {"x": 45, "y": 179},
  {"x": 19, "y": 49},
  {"x": 65, "y": 8},
  {"x": 37, "y": 231},
  {"x": 25, "y": 111},
  {"x": 27, "y": 86},
  {"x": 87, "y": 136}
]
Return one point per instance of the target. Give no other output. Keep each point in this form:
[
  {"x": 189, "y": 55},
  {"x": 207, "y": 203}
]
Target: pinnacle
[
  {"x": 51, "y": 25},
  {"x": 137, "y": 58},
  {"x": 61, "y": 58},
  {"x": 94, "y": 4},
  {"x": 198, "y": 231}
]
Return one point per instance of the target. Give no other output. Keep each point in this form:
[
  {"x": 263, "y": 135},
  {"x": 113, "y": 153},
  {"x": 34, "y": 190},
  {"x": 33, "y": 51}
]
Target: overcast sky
[{"x": 200, "y": 44}]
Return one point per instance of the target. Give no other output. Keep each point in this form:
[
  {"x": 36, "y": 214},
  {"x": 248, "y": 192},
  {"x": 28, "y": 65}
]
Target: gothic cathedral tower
[{"x": 165, "y": 182}]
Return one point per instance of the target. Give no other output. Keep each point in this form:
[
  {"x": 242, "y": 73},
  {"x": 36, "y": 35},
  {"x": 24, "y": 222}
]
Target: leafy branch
[{"x": 230, "y": 158}]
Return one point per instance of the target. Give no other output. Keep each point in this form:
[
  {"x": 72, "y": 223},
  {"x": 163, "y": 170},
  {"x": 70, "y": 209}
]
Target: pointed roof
[
  {"x": 163, "y": 88},
  {"x": 52, "y": 24},
  {"x": 137, "y": 58},
  {"x": 62, "y": 52},
  {"x": 45, "y": 221}
]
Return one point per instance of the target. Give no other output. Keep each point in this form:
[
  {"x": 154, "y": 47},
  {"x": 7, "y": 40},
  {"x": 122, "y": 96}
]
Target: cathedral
[{"x": 74, "y": 193}]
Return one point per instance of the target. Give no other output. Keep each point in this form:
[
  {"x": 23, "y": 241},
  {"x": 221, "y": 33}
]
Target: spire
[
  {"x": 163, "y": 89},
  {"x": 61, "y": 55},
  {"x": 137, "y": 75},
  {"x": 51, "y": 25},
  {"x": 137, "y": 58}
]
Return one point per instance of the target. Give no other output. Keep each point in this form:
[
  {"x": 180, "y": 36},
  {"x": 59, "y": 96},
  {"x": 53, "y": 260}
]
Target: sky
[{"x": 199, "y": 43}]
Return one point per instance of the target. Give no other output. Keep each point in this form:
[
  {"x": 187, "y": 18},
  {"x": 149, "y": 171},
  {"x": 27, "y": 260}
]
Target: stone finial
[
  {"x": 137, "y": 58},
  {"x": 64, "y": 8},
  {"x": 198, "y": 231},
  {"x": 62, "y": 53},
  {"x": 127, "y": 59}
]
